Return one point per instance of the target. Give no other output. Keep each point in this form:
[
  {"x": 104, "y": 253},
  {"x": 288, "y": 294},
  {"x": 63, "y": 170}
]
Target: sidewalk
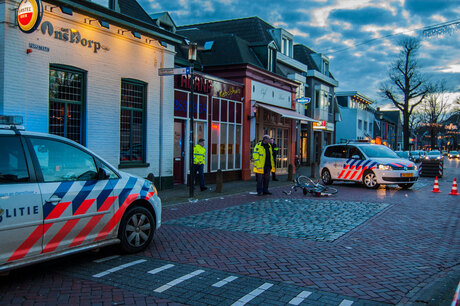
[{"x": 180, "y": 193}]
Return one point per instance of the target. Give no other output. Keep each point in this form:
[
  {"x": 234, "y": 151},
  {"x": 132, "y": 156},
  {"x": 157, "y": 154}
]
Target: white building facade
[
  {"x": 90, "y": 73},
  {"x": 357, "y": 117}
]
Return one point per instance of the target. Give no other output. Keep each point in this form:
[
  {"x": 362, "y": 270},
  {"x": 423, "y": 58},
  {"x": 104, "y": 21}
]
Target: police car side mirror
[{"x": 102, "y": 175}]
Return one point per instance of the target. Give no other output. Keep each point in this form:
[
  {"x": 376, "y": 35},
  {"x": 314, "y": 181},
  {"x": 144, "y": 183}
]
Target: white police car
[
  {"x": 366, "y": 163},
  {"x": 59, "y": 198}
]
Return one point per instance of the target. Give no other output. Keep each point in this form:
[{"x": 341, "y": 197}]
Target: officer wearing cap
[{"x": 199, "y": 155}]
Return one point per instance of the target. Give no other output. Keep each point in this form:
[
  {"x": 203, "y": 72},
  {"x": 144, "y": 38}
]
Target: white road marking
[
  {"x": 119, "y": 268},
  {"x": 158, "y": 270},
  {"x": 346, "y": 303},
  {"x": 178, "y": 281},
  {"x": 300, "y": 298},
  {"x": 106, "y": 258},
  {"x": 225, "y": 281},
  {"x": 251, "y": 295}
]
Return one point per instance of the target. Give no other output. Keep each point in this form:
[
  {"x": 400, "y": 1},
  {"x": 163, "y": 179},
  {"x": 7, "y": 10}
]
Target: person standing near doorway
[
  {"x": 199, "y": 154},
  {"x": 275, "y": 153},
  {"x": 263, "y": 164}
]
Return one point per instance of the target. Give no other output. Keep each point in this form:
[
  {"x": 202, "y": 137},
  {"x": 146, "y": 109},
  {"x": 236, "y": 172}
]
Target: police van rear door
[{"x": 21, "y": 217}]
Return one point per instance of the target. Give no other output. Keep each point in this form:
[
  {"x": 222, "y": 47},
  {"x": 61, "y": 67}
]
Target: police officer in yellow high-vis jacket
[
  {"x": 199, "y": 156},
  {"x": 263, "y": 164}
]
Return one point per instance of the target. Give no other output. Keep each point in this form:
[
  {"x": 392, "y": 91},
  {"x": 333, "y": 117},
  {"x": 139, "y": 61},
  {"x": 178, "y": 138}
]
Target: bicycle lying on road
[{"x": 309, "y": 186}]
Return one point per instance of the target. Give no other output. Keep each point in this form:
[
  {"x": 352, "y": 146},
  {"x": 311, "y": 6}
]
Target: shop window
[
  {"x": 180, "y": 104},
  {"x": 132, "y": 122},
  {"x": 66, "y": 102},
  {"x": 360, "y": 124},
  {"x": 215, "y": 109},
  {"x": 226, "y": 135}
]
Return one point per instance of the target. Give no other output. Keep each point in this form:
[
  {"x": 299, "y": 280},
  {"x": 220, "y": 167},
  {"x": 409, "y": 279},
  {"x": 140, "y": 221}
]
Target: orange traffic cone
[
  {"x": 436, "y": 186},
  {"x": 454, "y": 188}
]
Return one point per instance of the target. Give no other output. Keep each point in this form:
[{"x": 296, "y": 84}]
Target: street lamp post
[{"x": 191, "y": 58}]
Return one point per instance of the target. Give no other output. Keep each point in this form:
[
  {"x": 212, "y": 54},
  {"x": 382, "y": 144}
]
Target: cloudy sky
[{"x": 359, "y": 36}]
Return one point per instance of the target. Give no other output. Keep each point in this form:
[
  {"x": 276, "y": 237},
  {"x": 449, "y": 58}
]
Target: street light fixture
[{"x": 192, "y": 51}]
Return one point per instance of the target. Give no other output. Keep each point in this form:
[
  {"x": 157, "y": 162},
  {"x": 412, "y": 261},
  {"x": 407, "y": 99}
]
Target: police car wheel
[
  {"x": 136, "y": 229},
  {"x": 370, "y": 180},
  {"x": 326, "y": 177}
]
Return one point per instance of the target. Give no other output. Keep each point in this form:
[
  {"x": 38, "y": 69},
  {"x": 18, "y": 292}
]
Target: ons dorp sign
[
  {"x": 30, "y": 13},
  {"x": 72, "y": 36}
]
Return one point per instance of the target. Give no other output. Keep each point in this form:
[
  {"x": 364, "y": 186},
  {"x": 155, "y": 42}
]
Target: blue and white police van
[{"x": 59, "y": 198}]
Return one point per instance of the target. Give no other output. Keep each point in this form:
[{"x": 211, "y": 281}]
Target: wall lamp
[
  {"x": 104, "y": 24},
  {"x": 254, "y": 112},
  {"x": 66, "y": 10}
]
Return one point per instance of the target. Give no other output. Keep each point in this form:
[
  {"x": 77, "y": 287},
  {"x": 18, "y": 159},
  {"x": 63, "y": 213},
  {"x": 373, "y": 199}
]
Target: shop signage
[
  {"x": 173, "y": 71},
  {"x": 199, "y": 83},
  {"x": 70, "y": 35},
  {"x": 29, "y": 15},
  {"x": 304, "y": 100},
  {"x": 319, "y": 125}
]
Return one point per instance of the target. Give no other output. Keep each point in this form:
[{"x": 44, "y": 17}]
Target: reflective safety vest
[
  {"x": 259, "y": 156},
  {"x": 199, "y": 154}
]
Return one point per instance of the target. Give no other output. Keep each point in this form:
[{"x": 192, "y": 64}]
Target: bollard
[
  {"x": 219, "y": 181},
  {"x": 313, "y": 171},
  {"x": 290, "y": 173}
]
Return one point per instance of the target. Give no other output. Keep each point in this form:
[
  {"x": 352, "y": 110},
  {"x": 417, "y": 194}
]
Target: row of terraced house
[{"x": 89, "y": 71}]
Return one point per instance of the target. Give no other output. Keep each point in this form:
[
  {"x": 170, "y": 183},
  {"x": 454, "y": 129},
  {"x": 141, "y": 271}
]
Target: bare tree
[
  {"x": 406, "y": 87},
  {"x": 434, "y": 109}
]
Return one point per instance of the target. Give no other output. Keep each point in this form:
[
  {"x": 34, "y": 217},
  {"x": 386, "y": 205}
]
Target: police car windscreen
[{"x": 379, "y": 151}]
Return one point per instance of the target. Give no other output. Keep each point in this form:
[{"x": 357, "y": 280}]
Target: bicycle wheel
[
  {"x": 305, "y": 181},
  {"x": 329, "y": 190}
]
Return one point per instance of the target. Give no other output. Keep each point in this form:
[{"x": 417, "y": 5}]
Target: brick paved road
[{"x": 365, "y": 247}]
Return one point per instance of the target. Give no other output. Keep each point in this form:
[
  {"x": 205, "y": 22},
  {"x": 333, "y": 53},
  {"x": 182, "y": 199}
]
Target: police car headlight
[
  {"x": 415, "y": 167},
  {"x": 385, "y": 167}
]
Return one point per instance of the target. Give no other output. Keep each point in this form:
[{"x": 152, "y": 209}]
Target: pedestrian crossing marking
[
  {"x": 158, "y": 270},
  {"x": 106, "y": 259},
  {"x": 251, "y": 295},
  {"x": 118, "y": 268},
  {"x": 224, "y": 281},
  {"x": 300, "y": 298},
  {"x": 178, "y": 281}
]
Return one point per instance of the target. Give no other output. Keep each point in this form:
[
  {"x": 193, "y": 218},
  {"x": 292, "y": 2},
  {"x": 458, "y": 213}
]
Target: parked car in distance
[
  {"x": 405, "y": 155},
  {"x": 454, "y": 154},
  {"x": 418, "y": 155},
  {"x": 58, "y": 198},
  {"x": 433, "y": 155},
  {"x": 444, "y": 153}
]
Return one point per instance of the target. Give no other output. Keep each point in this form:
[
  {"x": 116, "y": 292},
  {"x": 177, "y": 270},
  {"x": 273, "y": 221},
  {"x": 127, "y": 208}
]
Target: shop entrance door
[{"x": 179, "y": 151}]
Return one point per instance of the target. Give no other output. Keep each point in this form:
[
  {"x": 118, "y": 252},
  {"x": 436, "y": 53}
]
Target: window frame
[
  {"x": 143, "y": 161},
  {"x": 82, "y": 102}
]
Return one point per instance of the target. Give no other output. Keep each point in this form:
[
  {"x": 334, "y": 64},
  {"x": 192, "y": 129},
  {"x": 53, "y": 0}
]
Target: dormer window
[
  {"x": 271, "y": 59},
  {"x": 325, "y": 67},
  {"x": 286, "y": 46}
]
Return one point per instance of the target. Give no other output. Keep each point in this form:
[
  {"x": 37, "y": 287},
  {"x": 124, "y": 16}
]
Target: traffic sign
[
  {"x": 172, "y": 71},
  {"x": 303, "y": 100}
]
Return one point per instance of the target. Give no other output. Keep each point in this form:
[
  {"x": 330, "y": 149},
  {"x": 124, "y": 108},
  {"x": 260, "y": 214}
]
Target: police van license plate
[{"x": 406, "y": 174}]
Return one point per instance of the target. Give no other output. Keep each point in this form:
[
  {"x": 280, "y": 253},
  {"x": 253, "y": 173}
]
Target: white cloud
[
  {"x": 453, "y": 68},
  {"x": 438, "y": 18},
  {"x": 297, "y": 32}
]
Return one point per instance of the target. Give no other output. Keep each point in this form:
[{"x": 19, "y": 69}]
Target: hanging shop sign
[{"x": 29, "y": 15}]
